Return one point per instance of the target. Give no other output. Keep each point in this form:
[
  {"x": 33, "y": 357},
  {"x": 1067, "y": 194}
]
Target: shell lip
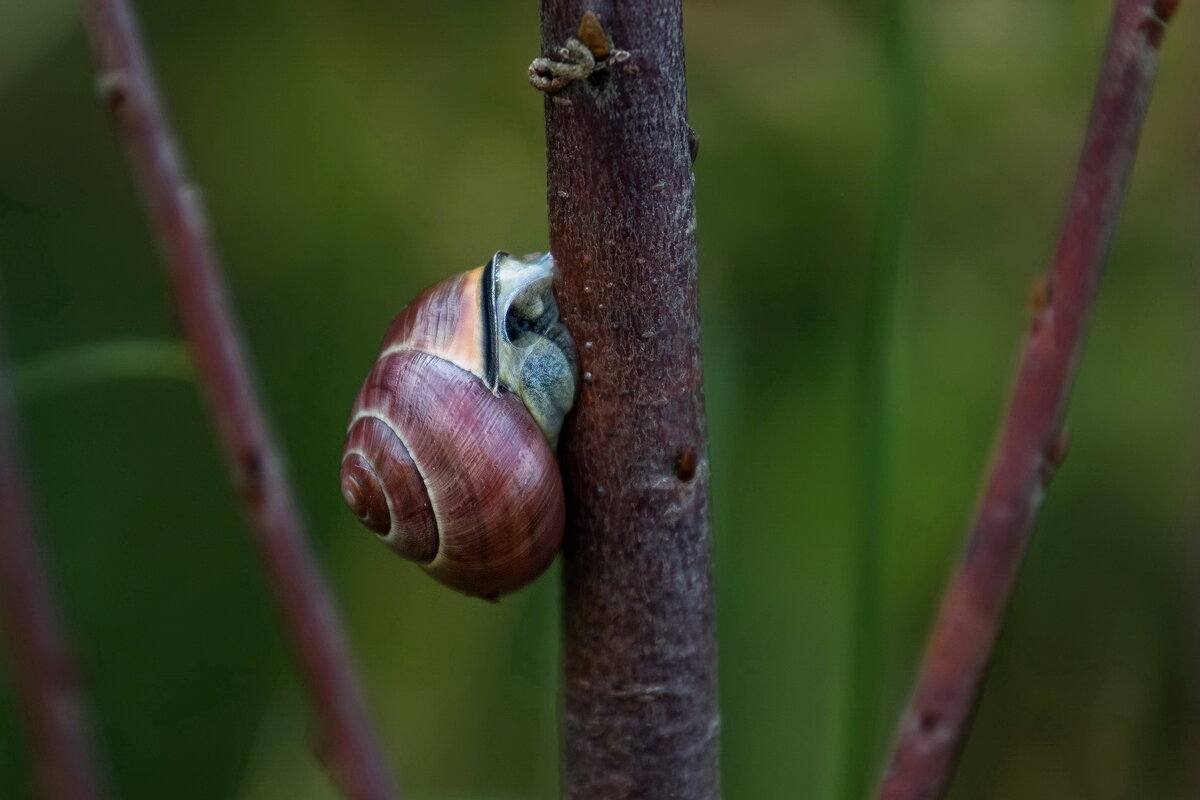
[
  {"x": 507, "y": 280},
  {"x": 491, "y": 320}
]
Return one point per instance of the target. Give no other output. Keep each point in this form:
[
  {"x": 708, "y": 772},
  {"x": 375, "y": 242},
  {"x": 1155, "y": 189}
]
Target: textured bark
[
  {"x": 43, "y": 669},
  {"x": 346, "y": 741},
  {"x": 640, "y": 710},
  {"x": 1031, "y": 444}
]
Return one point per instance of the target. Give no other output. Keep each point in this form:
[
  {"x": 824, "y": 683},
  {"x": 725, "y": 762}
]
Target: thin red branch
[
  {"x": 639, "y": 698},
  {"x": 346, "y": 741},
  {"x": 47, "y": 681},
  {"x": 1031, "y": 443}
]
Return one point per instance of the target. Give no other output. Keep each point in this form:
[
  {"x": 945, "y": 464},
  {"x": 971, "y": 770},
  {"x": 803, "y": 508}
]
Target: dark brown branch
[
  {"x": 1031, "y": 443},
  {"x": 640, "y": 710},
  {"x": 346, "y": 741},
  {"x": 47, "y": 682}
]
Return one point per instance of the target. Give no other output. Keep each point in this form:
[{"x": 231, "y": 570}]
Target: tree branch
[
  {"x": 347, "y": 743},
  {"x": 1031, "y": 443},
  {"x": 640, "y": 710},
  {"x": 47, "y": 681}
]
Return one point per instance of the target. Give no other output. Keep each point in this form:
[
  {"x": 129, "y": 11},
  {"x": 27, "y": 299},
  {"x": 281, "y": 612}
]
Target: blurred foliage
[{"x": 353, "y": 152}]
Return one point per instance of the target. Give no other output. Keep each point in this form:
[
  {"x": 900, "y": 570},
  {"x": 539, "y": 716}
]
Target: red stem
[
  {"x": 47, "y": 681},
  {"x": 1031, "y": 444},
  {"x": 347, "y": 743}
]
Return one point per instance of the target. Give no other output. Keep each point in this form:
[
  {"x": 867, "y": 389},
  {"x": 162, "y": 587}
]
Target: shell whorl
[
  {"x": 450, "y": 475},
  {"x": 444, "y": 321},
  {"x": 385, "y": 489},
  {"x": 449, "y": 455}
]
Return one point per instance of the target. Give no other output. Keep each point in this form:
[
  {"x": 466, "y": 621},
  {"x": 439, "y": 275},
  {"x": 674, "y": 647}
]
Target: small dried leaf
[{"x": 592, "y": 34}]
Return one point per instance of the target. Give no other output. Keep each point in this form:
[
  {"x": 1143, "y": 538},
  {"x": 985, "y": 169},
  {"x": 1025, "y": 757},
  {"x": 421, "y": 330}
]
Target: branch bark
[
  {"x": 346, "y": 741},
  {"x": 1031, "y": 443},
  {"x": 47, "y": 681},
  {"x": 640, "y": 709}
]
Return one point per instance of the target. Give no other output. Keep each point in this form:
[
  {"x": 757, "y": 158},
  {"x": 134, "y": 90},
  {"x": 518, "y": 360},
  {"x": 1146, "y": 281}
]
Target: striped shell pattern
[{"x": 449, "y": 456}]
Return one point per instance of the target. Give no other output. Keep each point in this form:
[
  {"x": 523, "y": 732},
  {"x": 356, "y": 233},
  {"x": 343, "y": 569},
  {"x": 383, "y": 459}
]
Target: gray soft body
[{"x": 536, "y": 355}]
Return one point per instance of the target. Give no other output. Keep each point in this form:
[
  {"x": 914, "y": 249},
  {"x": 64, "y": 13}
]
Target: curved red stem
[{"x": 1031, "y": 443}]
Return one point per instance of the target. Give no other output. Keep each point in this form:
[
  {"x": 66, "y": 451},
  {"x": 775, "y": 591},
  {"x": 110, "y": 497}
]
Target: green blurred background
[{"x": 353, "y": 151}]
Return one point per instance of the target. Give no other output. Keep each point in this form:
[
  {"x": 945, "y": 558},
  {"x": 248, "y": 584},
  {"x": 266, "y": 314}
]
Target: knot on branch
[
  {"x": 588, "y": 51},
  {"x": 1053, "y": 455},
  {"x": 113, "y": 88}
]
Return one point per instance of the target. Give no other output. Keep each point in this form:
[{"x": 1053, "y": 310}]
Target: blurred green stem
[
  {"x": 861, "y": 706},
  {"x": 96, "y": 362}
]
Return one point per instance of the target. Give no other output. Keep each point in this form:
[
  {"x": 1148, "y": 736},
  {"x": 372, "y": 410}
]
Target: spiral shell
[{"x": 449, "y": 454}]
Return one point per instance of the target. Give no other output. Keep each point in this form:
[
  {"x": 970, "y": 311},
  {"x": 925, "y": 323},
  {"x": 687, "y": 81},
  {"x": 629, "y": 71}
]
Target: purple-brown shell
[{"x": 448, "y": 474}]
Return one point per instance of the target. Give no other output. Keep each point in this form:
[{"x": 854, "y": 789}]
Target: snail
[{"x": 449, "y": 454}]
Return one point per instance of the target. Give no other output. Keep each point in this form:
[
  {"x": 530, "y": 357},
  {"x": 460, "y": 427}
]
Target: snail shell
[{"x": 449, "y": 456}]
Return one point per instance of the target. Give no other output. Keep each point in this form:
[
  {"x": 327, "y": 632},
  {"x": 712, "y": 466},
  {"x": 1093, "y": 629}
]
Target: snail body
[{"x": 449, "y": 455}]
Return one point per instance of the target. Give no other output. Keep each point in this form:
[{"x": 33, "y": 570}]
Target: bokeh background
[{"x": 891, "y": 172}]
